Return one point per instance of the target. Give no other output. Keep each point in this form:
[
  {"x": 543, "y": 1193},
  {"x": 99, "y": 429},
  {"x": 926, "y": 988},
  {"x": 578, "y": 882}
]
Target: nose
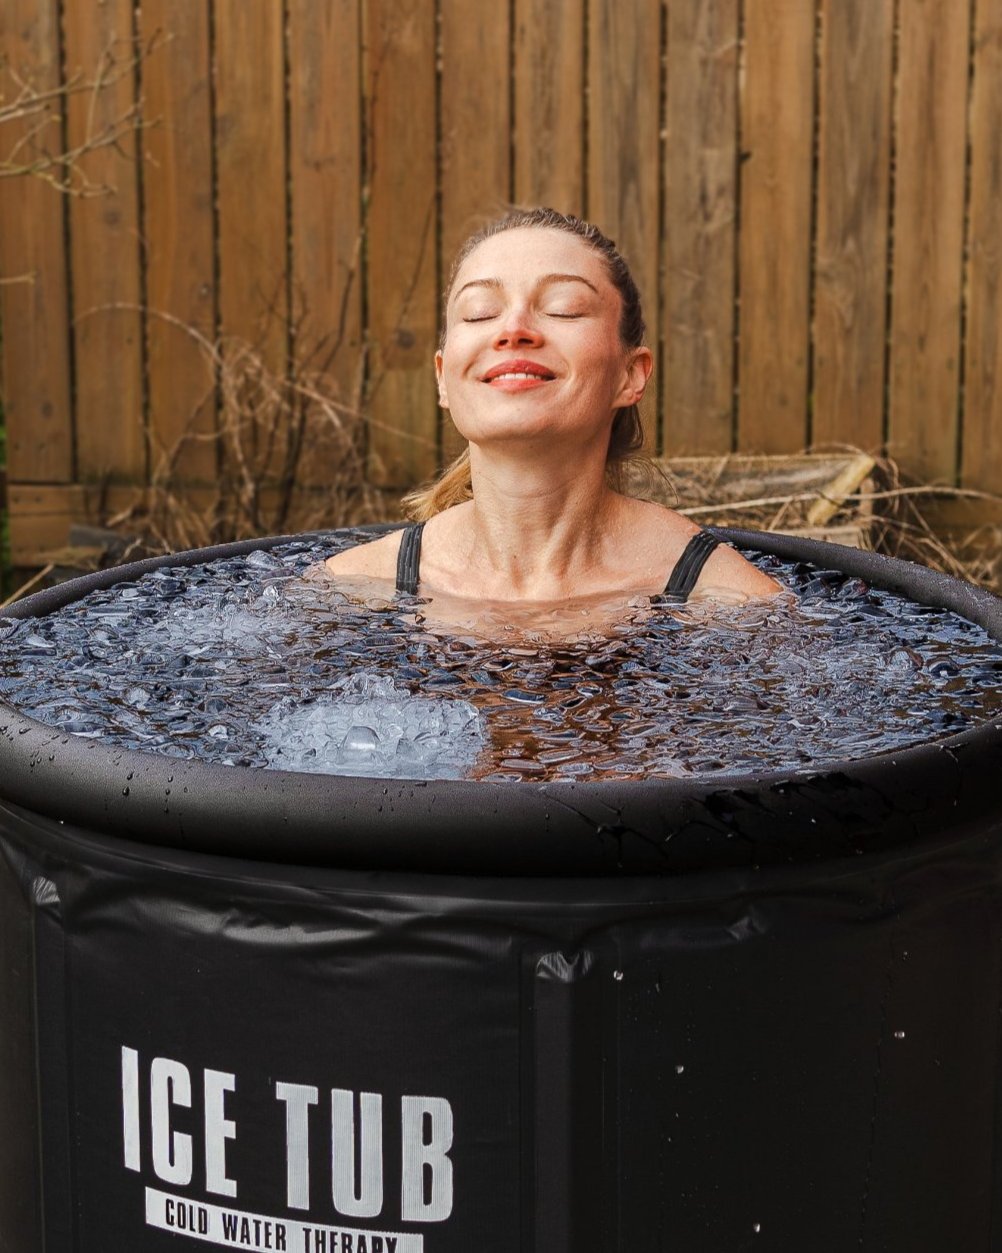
[{"x": 517, "y": 329}]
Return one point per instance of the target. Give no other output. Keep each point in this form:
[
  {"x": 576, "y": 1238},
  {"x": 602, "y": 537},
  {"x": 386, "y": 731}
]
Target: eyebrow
[{"x": 544, "y": 281}]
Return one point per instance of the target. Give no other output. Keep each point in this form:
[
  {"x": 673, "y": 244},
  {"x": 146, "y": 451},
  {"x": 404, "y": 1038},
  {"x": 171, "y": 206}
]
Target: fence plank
[
  {"x": 928, "y": 236},
  {"x": 549, "y": 104},
  {"x": 325, "y": 179},
  {"x": 624, "y": 142},
  {"x": 41, "y": 515},
  {"x": 177, "y": 230},
  {"x": 35, "y": 312},
  {"x": 476, "y": 119},
  {"x": 853, "y": 188},
  {"x": 777, "y": 103},
  {"x": 699, "y": 226},
  {"x": 527, "y": 129},
  {"x": 982, "y": 436},
  {"x": 476, "y": 132},
  {"x": 250, "y": 166},
  {"x": 402, "y": 301},
  {"x": 104, "y": 250}
]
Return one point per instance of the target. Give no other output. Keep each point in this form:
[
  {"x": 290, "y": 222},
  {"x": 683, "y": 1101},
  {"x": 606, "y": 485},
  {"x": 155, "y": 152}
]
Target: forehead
[{"x": 526, "y": 254}]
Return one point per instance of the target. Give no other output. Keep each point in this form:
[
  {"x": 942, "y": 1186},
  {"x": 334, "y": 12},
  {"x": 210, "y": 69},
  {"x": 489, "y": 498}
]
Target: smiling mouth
[{"x": 518, "y": 372}]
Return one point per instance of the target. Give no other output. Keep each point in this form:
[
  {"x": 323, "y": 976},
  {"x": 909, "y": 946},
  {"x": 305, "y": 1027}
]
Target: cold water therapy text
[{"x": 158, "y": 1092}]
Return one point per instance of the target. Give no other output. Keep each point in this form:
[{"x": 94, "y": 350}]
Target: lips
[{"x": 518, "y": 370}]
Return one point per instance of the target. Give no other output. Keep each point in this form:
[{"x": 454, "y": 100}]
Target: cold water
[{"x": 246, "y": 662}]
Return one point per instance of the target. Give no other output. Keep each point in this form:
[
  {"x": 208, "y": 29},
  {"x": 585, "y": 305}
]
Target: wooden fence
[{"x": 808, "y": 191}]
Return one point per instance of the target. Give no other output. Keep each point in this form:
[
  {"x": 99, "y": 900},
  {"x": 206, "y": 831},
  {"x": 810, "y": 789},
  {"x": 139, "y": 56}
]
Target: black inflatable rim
[{"x": 939, "y": 790}]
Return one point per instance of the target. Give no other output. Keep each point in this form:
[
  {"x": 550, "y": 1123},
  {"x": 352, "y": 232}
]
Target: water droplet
[
  {"x": 679, "y": 1070},
  {"x": 618, "y": 976},
  {"x": 756, "y": 1227},
  {"x": 899, "y": 1035}
]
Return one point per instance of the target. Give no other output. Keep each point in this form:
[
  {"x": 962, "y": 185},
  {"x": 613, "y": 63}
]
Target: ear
[
  {"x": 443, "y": 398},
  {"x": 639, "y": 367}
]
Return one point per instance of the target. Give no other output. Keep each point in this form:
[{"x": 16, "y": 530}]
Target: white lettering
[
  {"x": 367, "y": 1201},
  {"x": 298, "y": 1098},
  {"x": 130, "y": 1107},
  {"x": 420, "y": 1152},
  {"x": 170, "y": 1084},
  {"x": 218, "y": 1129}
]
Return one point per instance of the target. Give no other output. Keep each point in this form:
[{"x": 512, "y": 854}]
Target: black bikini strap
[
  {"x": 690, "y": 565},
  {"x": 409, "y": 559}
]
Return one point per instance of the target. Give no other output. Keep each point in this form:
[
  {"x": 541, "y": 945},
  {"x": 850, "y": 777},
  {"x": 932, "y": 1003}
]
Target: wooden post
[
  {"x": 777, "y": 119},
  {"x": 476, "y": 134},
  {"x": 105, "y": 256},
  {"x": 549, "y": 104},
  {"x": 700, "y": 224},
  {"x": 624, "y": 75},
  {"x": 981, "y": 465},
  {"x": 850, "y": 320},
  {"x": 400, "y": 97},
  {"x": 33, "y": 294},
  {"x": 177, "y": 232},
  {"x": 325, "y": 129},
  {"x": 929, "y": 237}
]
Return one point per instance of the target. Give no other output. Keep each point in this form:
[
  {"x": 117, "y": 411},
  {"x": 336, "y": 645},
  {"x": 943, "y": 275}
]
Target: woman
[{"x": 541, "y": 366}]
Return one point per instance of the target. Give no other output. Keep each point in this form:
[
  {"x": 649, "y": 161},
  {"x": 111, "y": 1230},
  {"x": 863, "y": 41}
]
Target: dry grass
[
  {"x": 290, "y": 451},
  {"x": 891, "y": 514},
  {"x": 291, "y": 454}
]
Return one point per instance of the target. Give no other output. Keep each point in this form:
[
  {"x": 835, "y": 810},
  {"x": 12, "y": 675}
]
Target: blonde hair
[{"x": 454, "y": 485}]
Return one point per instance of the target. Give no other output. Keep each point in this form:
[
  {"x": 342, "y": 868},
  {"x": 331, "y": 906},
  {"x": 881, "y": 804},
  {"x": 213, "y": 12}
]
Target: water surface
[{"x": 246, "y": 662}]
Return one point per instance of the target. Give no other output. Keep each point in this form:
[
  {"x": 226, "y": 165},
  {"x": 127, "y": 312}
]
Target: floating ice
[
  {"x": 364, "y": 724},
  {"x": 242, "y": 661}
]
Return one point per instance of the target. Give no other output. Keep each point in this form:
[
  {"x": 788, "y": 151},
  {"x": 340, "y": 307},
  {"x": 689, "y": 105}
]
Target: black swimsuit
[{"x": 680, "y": 584}]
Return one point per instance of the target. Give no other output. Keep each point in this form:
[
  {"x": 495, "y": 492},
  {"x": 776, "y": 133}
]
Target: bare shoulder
[
  {"x": 727, "y": 570},
  {"x": 374, "y": 560}
]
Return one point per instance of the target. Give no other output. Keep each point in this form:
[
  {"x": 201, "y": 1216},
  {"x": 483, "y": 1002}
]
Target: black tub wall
[
  {"x": 668, "y": 1016},
  {"x": 789, "y": 1060},
  {"x": 20, "y": 1172}
]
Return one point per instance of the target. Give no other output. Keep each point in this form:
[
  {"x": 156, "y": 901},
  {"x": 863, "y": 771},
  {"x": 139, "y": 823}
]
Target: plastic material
[{"x": 759, "y": 1016}]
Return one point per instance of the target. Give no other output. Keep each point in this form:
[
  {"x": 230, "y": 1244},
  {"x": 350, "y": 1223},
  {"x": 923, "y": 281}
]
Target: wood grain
[
  {"x": 177, "y": 230},
  {"x": 700, "y": 223},
  {"x": 401, "y": 229},
  {"x": 982, "y": 436},
  {"x": 325, "y": 179},
  {"x": 624, "y": 67},
  {"x": 41, "y": 515},
  {"x": 549, "y": 104},
  {"x": 250, "y": 166},
  {"x": 105, "y": 255},
  {"x": 475, "y": 143},
  {"x": 777, "y": 114},
  {"x": 929, "y": 237},
  {"x": 390, "y": 155},
  {"x": 33, "y": 295},
  {"x": 850, "y": 321}
]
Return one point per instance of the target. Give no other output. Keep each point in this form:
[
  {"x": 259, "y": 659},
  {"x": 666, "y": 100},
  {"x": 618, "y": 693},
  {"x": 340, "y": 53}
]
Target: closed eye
[{"x": 483, "y": 317}]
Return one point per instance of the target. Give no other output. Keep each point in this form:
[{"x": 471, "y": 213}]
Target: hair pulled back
[{"x": 454, "y": 485}]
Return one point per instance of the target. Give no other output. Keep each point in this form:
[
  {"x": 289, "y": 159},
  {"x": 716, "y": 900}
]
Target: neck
[{"x": 538, "y": 529}]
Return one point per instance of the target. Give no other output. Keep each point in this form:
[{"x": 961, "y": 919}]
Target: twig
[{"x": 25, "y": 588}]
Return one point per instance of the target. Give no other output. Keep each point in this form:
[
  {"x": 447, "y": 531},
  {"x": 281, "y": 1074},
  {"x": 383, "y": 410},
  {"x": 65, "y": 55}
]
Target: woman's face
[{"x": 532, "y": 347}]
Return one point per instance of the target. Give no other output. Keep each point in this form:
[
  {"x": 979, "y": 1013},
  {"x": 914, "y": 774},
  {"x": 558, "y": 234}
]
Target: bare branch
[{"x": 33, "y": 114}]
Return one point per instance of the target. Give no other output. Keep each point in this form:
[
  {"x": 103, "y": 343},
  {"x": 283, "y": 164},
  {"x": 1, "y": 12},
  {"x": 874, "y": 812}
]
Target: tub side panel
[
  {"x": 327, "y": 1066},
  {"x": 813, "y": 1070},
  {"x": 20, "y": 1198}
]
